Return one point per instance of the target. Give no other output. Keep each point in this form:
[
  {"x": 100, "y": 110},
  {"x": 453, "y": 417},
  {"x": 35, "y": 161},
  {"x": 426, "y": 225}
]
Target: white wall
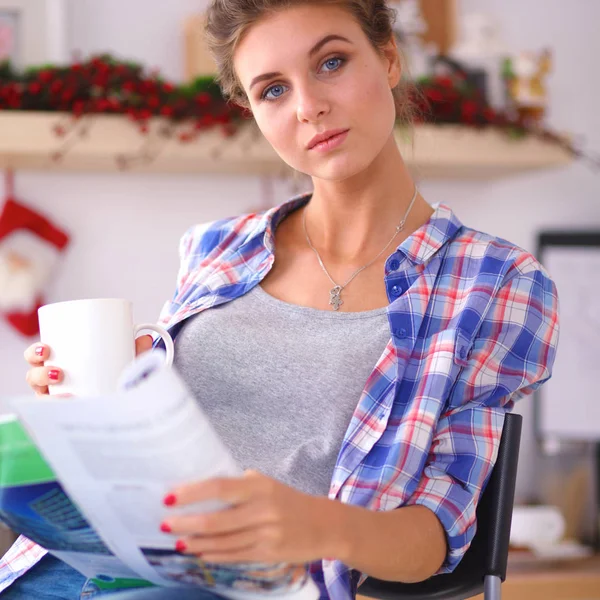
[{"x": 126, "y": 227}]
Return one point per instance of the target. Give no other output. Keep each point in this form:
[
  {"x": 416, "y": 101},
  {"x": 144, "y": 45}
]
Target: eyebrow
[{"x": 312, "y": 52}]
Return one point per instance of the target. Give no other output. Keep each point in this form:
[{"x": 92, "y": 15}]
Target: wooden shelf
[{"x": 28, "y": 141}]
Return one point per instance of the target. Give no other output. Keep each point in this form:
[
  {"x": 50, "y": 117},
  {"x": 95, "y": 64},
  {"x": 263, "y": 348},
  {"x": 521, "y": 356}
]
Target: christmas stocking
[{"x": 30, "y": 246}]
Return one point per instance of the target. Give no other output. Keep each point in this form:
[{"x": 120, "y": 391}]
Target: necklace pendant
[{"x": 334, "y": 297}]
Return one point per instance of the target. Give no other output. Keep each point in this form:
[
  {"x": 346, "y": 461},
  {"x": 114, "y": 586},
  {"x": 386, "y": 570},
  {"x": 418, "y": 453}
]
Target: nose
[{"x": 312, "y": 105}]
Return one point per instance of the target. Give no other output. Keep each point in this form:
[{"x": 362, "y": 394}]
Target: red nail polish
[
  {"x": 39, "y": 350},
  {"x": 53, "y": 374},
  {"x": 170, "y": 500},
  {"x": 180, "y": 546},
  {"x": 164, "y": 527}
]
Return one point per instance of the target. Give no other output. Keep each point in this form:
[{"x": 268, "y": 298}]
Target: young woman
[{"x": 356, "y": 347}]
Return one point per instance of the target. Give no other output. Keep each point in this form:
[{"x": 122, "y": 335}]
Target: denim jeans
[{"x": 52, "y": 579}]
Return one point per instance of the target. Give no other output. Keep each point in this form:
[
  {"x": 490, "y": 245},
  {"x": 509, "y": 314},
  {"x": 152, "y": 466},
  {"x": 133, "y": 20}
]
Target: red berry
[
  {"x": 45, "y": 76},
  {"x": 434, "y": 95},
  {"x": 489, "y": 114},
  {"x": 78, "y": 107},
  {"x": 469, "y": 107},
  {"x": 203, "y": 99},
  {"x": 445, "y": 82}
]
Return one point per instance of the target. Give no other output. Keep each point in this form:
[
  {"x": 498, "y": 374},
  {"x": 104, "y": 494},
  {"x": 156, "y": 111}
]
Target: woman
[{"x": 356, "y": 347}]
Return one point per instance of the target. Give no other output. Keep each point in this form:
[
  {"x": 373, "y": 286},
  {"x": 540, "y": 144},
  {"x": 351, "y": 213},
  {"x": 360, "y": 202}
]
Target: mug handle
[{"x": 164, "y": 334}]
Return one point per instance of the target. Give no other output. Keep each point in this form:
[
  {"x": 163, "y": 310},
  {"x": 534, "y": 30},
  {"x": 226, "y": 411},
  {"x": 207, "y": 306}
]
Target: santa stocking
[{"x": 30, "y": 246}]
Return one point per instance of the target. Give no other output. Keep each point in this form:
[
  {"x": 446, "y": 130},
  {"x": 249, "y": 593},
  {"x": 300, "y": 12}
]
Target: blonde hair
[{"x": 228, "y": 20}]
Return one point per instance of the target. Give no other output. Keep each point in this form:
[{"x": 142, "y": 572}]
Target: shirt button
[
  {"x": 401, "y": 333},
  {"x": 462, "y": 352},
  {"x": 395, "y": 265},
  {"x": 396, "y": 290}
]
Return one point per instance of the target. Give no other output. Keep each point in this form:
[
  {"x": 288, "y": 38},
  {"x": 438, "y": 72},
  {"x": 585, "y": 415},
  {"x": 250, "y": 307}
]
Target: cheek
[
  {"x": 271, "y": 125},
  {"x": 372, "y": 97},
  {"x": 279, "y": 127}
]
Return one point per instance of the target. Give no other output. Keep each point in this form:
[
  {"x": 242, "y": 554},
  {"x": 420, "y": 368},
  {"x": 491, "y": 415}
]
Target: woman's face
[{"x": 303, "y": 79}]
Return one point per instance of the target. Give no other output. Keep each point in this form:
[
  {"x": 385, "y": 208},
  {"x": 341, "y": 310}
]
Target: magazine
[{"x": 85, "y": 478}]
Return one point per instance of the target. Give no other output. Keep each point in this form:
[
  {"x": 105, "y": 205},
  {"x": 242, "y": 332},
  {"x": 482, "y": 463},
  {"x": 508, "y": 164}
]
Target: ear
[{"x": 392, "y": 61}]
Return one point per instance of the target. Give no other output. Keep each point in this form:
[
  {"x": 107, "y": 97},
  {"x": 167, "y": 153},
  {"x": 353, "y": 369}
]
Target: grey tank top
[{"x": 280, "y": 382}]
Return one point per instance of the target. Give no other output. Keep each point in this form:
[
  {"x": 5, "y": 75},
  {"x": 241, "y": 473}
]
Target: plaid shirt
[{"x": 473, "y": 328}]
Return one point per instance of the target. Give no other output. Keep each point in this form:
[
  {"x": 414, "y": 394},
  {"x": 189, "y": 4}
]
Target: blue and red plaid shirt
[{"x": 473, "y": 328}]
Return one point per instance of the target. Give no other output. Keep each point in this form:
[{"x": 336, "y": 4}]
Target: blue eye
[
  {"x": 270, "y": 89},
  {"x": 337, "y": 62}
]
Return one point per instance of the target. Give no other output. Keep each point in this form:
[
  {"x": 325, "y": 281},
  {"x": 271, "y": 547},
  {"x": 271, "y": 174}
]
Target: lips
[{"x": 323, "y": 137}]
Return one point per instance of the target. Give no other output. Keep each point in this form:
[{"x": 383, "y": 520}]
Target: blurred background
[{"x": 511, "y": 142}]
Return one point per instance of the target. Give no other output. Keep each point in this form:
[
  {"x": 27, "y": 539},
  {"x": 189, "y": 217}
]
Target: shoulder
[
  {"x": 496, "y": 285},
  {"x": 497, "y": 261},
  {"x": 204, "y": 241},
  {"x": 208, "y": 242}
]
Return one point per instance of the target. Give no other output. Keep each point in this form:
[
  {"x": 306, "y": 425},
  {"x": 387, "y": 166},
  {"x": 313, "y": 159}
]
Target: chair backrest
[{"x": 488, "y": 553}]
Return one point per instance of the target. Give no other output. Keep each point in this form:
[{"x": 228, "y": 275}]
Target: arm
[
  {"x": 511, "y": 356},
  {"x": 408, "y": 544}
]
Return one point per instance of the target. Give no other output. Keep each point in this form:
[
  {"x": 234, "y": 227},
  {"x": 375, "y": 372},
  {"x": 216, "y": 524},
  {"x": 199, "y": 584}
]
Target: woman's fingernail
[
  {"x": 40, "y": 350},
  {"x": 180, "y": 546},
  {"x": 170, "y": 500},
  {"x": 164, "y": 527},
  {"x": 53, "y": 374}
]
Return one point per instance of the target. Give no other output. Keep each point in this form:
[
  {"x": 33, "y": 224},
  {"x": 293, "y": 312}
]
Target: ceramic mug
[{"x": 92, "y": 341}]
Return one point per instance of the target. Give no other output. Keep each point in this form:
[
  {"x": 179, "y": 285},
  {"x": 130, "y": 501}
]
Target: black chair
[{"x": 483, "y": 567}]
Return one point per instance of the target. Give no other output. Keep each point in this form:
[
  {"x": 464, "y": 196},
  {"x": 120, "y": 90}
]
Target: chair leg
[{"x": 492, "y": 588}]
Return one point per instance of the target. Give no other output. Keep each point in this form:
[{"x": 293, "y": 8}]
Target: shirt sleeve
[
  {"x": 19, "y": 558},
  {"x": 510, "y": 357}
]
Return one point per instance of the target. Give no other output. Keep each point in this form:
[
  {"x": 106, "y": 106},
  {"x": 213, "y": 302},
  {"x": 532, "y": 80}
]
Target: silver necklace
[{"x": 335, "y": 299}]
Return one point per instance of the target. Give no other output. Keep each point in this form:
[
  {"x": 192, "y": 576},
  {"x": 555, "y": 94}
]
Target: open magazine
[{"x": 85, "y": 479}]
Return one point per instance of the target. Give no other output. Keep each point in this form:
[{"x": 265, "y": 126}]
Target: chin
[{"x": 334, "y": 168}]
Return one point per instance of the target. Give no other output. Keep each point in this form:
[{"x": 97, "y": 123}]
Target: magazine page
[
  {"x": 118, "y": 456},
  {"x": 35, "y": 504}
]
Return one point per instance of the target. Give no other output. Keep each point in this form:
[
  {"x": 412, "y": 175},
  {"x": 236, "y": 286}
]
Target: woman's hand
[
  {"x": 40, "y": 376},
  {"x": 267, "y": 522}
]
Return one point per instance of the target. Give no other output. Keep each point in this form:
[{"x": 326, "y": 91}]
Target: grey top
[{"x": 280, "y": 382}]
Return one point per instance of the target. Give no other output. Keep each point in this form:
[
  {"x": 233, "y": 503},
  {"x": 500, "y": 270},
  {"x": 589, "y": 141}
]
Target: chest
[
  {"x": 297, "y": 277},
  {"x": 304, "y": 283}
]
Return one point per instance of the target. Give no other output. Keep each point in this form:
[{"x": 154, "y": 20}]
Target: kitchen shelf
[{"x": 28, "y": 141}]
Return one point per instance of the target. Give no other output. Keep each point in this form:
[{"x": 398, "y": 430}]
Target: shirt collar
[
  {"x": 419, "y": 247},
  {"x": 422, "y": 245}
]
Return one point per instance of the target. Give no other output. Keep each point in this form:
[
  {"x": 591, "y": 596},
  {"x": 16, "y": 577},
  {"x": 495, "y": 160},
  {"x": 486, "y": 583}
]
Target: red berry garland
[{"x": 103, "y": 85}]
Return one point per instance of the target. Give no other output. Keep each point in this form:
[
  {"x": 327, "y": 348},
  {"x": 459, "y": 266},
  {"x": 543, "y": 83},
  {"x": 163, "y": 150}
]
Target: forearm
[{"x": 407, "y": 544}]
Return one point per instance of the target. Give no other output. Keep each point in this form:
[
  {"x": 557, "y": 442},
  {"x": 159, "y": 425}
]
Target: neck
[{"x": 350, "y": 221}]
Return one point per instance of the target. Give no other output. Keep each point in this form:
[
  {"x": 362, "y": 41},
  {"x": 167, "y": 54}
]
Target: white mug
[{"x": 92, "y": 341}]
